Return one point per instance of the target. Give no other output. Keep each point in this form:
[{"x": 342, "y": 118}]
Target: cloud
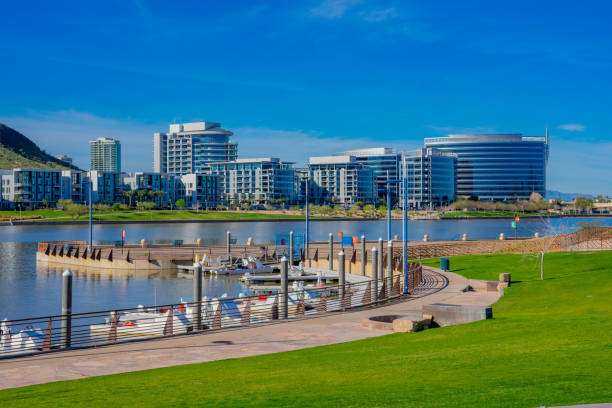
[
  {"x": 573, "y": 127},
  {"x": 377, "y": 16},
  {"x": 333, "y": 9}
]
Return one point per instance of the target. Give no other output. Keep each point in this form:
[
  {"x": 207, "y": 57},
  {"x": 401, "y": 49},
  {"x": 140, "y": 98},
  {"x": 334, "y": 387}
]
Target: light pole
[
  {"x": 405, "y": 233},
  {"x": 307, "y": 238},
  {"x": 90, "y": 216}
]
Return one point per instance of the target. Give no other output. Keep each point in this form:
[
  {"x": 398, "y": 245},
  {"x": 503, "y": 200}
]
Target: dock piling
[
  {"x": 66, "y": 308},
  {"x": 331, "y": 251},
  {"x": 284, "y": 288},
  {"x": 364, "y": 256},
  {"x": 381, "y": 256},
  {"x": 290, "y": 248},
  {"x": 389, "y": 266},
  {"x": 229, "y": 246},
  {"x": 374, "y": 274},
  {"x": 197, "y": 295}
]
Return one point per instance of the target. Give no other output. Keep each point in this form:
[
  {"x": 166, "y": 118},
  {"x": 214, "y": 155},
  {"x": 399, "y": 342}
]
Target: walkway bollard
[
  {"x": 389, "y": 267},
  {"x": 341, "y": 275},
  {"x": 284, "y": 288},
  {"x": 536, "y": 235},
  {"x": 374, "y": 274},
  {"x": 290, "y": 249},
  {"x": 229, "y": 246},
  {"x": 502, "y": 236},
  {"x": 426, "y": 238},
  {"x": 381, "y": 256},
  {"x": 364, "y": 256},
  {"x": 331, "y": 251},
  {"x": 464, "y": 237},
  {"x": 197, "y": 295},
  {"x": 66, "y": 308}
]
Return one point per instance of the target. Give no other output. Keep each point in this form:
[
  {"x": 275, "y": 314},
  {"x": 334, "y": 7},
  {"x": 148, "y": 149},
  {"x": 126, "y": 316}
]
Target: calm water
[{"x": 27, "y": 290}]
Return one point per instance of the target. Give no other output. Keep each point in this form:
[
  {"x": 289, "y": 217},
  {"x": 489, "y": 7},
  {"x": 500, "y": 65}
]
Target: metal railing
[{"x": 76, "y": 330}]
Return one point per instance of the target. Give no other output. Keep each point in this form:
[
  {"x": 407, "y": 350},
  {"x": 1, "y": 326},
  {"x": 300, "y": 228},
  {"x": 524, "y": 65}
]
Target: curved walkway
[{"x": 232, "y": 343}]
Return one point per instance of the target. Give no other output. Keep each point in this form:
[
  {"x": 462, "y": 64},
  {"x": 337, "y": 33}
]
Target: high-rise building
[
  {"x": 105, "y": 154},
  {"x": 191, "y": 147},
  {"x": 64, "y": 158},
  {"x": 384, "y": 164},
  {"x": 497, "y": 167},
  {"x": 341, "y": 180},
  {"x": 430, "y": 178}
]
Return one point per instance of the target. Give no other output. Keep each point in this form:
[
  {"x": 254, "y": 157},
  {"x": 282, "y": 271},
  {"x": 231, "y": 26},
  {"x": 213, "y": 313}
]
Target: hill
[{"x": 17, "y": 151}]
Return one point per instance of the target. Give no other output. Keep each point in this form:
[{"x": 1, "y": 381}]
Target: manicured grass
[
  {"x": 487, "y": 213},
  {"x": 550, "y": 343},
  {"x": 107, "y": 215}
]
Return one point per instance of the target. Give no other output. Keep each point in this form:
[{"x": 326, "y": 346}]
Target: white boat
[
  {"x": 29, "y": 340},
  {"x": 248, "y": 265},
  {"x": 143, "y": 323}
]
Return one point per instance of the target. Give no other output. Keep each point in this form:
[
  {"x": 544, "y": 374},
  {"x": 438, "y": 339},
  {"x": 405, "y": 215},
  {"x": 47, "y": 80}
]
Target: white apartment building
[
  {"x": 341, "y": 180},
  {"x": 105, "y": 154},
  {"x": 191, "y": 147}
]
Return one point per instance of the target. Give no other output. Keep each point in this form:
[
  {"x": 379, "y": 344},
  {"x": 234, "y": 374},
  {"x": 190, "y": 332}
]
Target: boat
[
  {"x": 26, "y": 341},
  {"x": 248, "y": 265}
]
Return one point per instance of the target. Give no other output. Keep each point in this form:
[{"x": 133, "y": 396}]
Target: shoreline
[{"x": 333, "y": 219}]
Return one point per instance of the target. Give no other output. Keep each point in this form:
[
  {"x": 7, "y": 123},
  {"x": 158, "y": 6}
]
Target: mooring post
[
  {"x": 331, "y": 251},
  {"x": 284, "y": 288},
  {"x": 374, "y": 274},
  {"x": 364, "y": 256},
  {"x": 66, "y": 308},
  {"x": 228, "y": 245},
  {"x": 290, "y": 249},
  {"x": 197, "y": 295},
  {"x": 389, "y": 267},
  {"x": 341, "y": 274},
  {"x": 381, "y": 256}
]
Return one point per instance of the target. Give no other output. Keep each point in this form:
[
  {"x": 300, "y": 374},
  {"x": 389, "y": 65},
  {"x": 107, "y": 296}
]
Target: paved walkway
[{"x": 232, "y": 343}]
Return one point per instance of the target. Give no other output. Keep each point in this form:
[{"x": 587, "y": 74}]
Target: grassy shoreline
[{"x": 548, "y": 344}]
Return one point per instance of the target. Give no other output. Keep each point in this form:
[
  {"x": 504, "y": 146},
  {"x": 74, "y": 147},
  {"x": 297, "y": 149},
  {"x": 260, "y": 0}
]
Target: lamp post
[
  {"x": 90, "y": 216},
  {"x": 404, "y": 182}
]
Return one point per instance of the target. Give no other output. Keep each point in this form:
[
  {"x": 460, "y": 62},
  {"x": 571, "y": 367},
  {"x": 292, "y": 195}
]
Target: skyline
[{"x": 319, "y": 77}]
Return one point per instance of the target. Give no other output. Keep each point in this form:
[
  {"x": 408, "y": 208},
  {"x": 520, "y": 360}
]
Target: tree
[
  {"x": 45, "y": 203},
  {"x": 129, "y": 194},
  {"x": 180, "y": 203},
  {"x": 141, "y": 194},
  {"x": 62, "y": 204},
  {"x": 583, "y": 203},
  {"x": 535, "y": 197},
  {"x": 76, "y": 210},
  {"x": 116, "y": 206}
]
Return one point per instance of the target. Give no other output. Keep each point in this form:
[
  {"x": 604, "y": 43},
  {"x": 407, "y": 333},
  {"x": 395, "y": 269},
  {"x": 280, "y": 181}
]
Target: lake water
[{"x": 27, "y": 290}]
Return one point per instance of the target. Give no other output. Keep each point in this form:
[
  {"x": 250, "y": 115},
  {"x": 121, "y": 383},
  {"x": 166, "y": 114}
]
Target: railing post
[
  {"x": 374, "y": 274},
  {"x": 331, "y": 251},
  {"x": 341, "y": 274},
  {"x": 364, "y": 256},
  {"x": 389, "y": 267},
  {"x": 284, "y": 288},
  {"x": 290, "y": 249},
  {"x": 229, "y": 246},
  {"x": 197, "y": 296},
  {"x": 66, "y": 308}
]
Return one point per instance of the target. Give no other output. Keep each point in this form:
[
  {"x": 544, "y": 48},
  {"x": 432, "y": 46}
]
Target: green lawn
[
  {"x": 108, "y": 215},
  {"x": 550, "y": 343},
  {"x": 487, "y": 213}
]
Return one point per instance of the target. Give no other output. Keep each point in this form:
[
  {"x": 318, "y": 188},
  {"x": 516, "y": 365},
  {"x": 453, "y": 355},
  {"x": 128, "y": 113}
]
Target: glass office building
[
  {"x": 430, "y": 175},
  {"x": 383, "y": 162},
  {"x": 190, "y": 148},
  {"x": 497, "y": 167}
]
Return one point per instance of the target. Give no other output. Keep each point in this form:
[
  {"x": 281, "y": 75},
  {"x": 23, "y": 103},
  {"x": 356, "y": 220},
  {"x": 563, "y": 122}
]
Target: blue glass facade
[
  {"x": 384, "y": 165},
  {"x": 497, "y": 167}
]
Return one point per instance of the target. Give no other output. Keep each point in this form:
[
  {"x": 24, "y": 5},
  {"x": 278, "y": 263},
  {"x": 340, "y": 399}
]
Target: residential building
[
  {"x": 107, "y": 186},
  {"x": 31, "y": 188},
  {"x": 262, "y": 180},
  {"x": 430, "y": 175},
  {"x": 201, "y": 190},
  {"x": 497, "y": 167},
  {"x": 75, "y": 186},
  {"x": 191, "y": 147},
  {"x": 384, "y": 164},
  {"x": 105, "y": 154},
  {"x": 156, "y": 187},
  {"x": 64, "y": 158},
  {"x": 341, "y": 180}
]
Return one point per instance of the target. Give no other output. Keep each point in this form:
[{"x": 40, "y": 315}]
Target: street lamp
[{"x": 404, "y": 182}]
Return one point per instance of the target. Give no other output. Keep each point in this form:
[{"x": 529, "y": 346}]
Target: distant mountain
[
  {"x": 550, "y": 194},
  {"x": 17, "y": 151}
]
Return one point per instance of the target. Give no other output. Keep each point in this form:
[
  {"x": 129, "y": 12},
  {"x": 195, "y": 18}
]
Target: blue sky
[{"x": 301, "y": 78}]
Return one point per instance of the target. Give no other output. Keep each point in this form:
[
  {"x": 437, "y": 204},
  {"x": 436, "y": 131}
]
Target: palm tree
[{"x": 129, "y": 194}]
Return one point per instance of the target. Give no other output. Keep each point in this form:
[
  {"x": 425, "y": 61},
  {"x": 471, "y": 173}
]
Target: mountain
[
  {"x": 550, "y": 194},
  {"x": 17, "y": 151}
]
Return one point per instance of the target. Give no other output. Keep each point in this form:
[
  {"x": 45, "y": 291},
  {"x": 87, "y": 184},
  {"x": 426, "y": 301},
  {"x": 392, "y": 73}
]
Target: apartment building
[{"x": 341, "y": 180}]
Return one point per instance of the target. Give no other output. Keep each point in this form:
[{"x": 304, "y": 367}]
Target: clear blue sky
[{"x": 313, "y": 77}]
